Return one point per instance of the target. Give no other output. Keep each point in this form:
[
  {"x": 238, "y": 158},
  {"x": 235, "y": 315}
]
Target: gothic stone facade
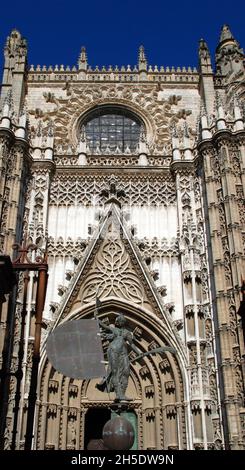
[{"x": 153, "y": 219}]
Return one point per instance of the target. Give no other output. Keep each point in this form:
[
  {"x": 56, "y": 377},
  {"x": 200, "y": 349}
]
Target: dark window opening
[{"x": 95, "y": 420}]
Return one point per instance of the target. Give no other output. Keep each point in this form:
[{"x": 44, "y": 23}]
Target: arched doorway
[{"x": 156, "y": 388}]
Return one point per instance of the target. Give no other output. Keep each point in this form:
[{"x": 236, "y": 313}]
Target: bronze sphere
[{"x": 118, "y": 434}]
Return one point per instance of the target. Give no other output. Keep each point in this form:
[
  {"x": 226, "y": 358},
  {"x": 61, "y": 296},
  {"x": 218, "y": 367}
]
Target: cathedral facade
[{"x": 131, "y": 179}]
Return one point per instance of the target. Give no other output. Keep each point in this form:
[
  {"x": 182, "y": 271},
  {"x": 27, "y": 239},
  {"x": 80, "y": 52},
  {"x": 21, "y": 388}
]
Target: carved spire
[
  {"x": 229, "y": 56},
  {"x": 16, "y": 46},
  {"x": 142, "y": 62},
  {"x": 82, "y": 61},
  {"x": 204, "y": 57},
  {"x": 225, "y": 33},
  {"x": 15, "y": 63}
]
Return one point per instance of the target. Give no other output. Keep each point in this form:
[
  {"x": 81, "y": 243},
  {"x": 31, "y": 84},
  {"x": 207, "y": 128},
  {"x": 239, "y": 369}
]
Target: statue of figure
[
  {"x": 119, "y": 366},
  {"x": 118, "y": 371}
]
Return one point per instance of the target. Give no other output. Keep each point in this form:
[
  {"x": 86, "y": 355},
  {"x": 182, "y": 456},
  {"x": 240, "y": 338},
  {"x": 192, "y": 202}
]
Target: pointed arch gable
[
  {"x": 140, "y": 288},
  {"x": 157, "y": 385}
]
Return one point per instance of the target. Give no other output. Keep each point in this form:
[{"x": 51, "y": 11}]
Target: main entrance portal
[{"x": 72, "y": 412}]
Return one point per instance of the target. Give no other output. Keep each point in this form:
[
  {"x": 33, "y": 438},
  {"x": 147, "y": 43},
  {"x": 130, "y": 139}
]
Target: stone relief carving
[
  {"x": 155, "y": 110},
  {"x": 37, "y": 207}
]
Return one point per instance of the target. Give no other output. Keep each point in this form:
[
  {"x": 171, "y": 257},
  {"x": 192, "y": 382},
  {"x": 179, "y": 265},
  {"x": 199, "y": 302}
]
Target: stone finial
[
  {"x": 229, "y": 56},
  {"x": 204, "y": 57},
  {"x": 203, "y": 50},
  {"x": 175, "y": 143},
  {"x": 39, "y": 130},
  {"x": 83, "y": 134},
  {"x": 82, "y": 148},
  {"x": 9, "y": 100},
  {"x": 16, "y": 46},
  {"x": 186, "y": 130},
  {"x": 15, "y": 64},
  {"x": 50, "y": 140},
  {"x": 186, "y": 142},
  {"x": 50, "y": 128},
  {"x": 221, "y": 122},
  {"x": 143, "y": 148},
  {"x": 7, "y": 110},
  {"x": 205, "y": 131},
  {"x": 142, "y": 134},
  {"x": 239, "y": 121},
  {"x": 82, "y": 61},
  {"x": 225, "y": 33},
  {"x": 22, "y": 126},
  {"x": 142, "y": 62}
]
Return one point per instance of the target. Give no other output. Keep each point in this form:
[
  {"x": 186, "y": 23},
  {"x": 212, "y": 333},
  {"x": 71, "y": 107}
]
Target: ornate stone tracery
[
  {"x": 142, "y": 190},
  {"x": 112, "y": 274}
]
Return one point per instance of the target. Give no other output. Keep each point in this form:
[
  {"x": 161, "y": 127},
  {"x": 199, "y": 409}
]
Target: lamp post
[
  {"x": 7, "y": 286},
  {"x": 22, "y": 263},
  {"x": 40, "y": 300},
  {"x": 241, "y": 310},
  {"x": 7, "y": 278}
]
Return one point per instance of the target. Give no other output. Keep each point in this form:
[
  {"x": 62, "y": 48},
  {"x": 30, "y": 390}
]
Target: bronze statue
[
  {"x": 119, "y": 366},
  {"x": 118, "y": 371}
]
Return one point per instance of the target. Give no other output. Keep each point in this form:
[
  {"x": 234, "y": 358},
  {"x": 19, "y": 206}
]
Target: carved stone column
[{"x": 222, "y": 209}]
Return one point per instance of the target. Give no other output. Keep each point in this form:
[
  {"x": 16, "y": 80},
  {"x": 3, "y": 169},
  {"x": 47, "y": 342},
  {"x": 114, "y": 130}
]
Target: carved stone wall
[
  {"x": 156, "y": 109},
  {"x": 223, "y": 170},
  {"x": 173, "y": 260},
  {"x": 87, "y": 190}
]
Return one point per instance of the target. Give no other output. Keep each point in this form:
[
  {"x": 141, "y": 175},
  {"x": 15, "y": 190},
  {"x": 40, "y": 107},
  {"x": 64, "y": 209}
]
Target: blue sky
[{"x": 113, "y": 30}]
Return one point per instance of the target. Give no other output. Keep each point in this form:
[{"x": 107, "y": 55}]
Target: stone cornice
[
  {"x": 183, "y": 166},
  {"x": 79, "y": 169},
  {"x": 218, "y": 136},
  {"x": 48, "y": 165}
]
